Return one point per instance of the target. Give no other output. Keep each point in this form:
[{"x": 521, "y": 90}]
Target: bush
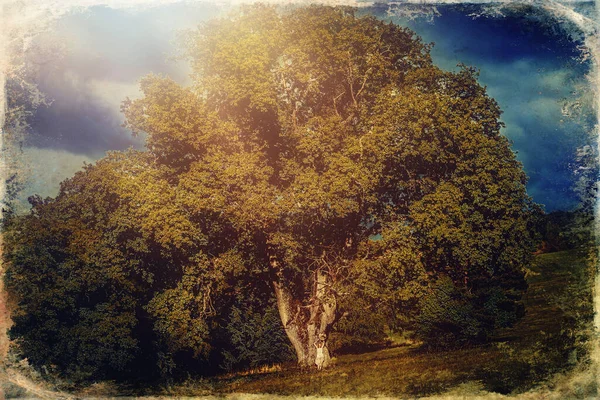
[
  {"x": 361, "y": 329},
  {"x": 446, "y": 318},
  {"x": 255, "y": 338},
  {"x": 454, "y": 314}
]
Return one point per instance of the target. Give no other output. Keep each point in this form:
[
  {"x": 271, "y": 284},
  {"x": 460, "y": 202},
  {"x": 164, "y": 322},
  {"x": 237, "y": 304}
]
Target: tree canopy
[{"x": 320, "y": 160}]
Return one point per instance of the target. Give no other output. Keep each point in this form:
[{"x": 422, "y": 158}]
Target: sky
[{"x": 531, "y": 68}]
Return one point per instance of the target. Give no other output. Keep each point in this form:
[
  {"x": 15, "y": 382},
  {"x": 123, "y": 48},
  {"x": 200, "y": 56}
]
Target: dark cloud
[
  {"x": 79, "y": 121},
  {"x": 107, "y": 52}
]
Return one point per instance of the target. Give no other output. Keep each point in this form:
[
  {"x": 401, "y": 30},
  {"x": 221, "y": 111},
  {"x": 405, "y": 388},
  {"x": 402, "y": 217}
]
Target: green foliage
[
  {"x": 90, "y": 268},
  {"x": 255, "y": 337},
  {"x": 75, "y": 320},
  {"x": 312, "y": 145},
  {"x": 446, "y": 316},
  {"x": 360, "y": 329},
  {"x": 178, "y": 314}
]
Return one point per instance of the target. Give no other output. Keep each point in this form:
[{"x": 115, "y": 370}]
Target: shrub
[{"x": 255, "y": 338}]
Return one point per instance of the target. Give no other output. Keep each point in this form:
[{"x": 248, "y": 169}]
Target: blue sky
[{"x": 531, "y": 69}]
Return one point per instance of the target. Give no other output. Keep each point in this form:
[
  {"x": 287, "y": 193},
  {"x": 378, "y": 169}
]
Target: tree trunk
[{"x": 306, "y": 323}]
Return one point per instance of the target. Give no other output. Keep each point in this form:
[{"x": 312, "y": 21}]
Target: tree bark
[{"x": 307, "y": 322}]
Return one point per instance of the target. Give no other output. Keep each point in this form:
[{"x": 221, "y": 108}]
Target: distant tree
[{"x": 318, "y": 152}]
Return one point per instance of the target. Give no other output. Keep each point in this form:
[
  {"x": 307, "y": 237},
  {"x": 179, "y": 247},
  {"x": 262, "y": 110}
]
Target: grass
[{"x": 550, "y": 339}]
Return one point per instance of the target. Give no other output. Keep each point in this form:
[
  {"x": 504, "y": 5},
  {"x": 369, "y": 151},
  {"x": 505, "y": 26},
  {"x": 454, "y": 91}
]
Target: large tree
[
  {"x": 324, "y": 154},
  {"x": 311, "y": 133}
]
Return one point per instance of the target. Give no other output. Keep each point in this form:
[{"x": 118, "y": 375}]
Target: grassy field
[{"x": 551, "y": 338}]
